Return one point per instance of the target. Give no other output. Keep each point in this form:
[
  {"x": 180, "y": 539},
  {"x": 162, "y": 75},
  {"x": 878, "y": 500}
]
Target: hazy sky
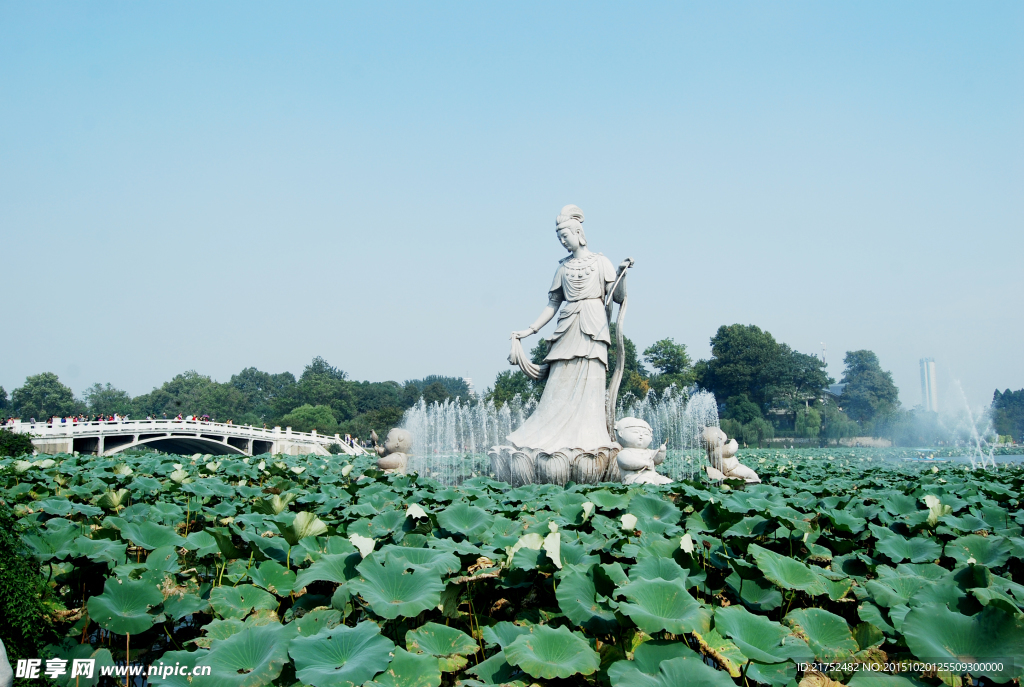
[{"x": 213, "y": 186}]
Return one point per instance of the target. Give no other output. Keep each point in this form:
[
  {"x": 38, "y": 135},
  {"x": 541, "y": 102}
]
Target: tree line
[
  {"x": 764, "y": 387},
  {"x": 321, "y": 398}
]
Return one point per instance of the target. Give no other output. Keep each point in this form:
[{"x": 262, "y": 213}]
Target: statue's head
[
  {"x": 632, "y": 432},
  {"x": 569, "y": 228},
  {"x": 398, "y": 441}
]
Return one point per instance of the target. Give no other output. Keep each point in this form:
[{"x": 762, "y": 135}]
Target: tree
[
  {"x": 508, "y": 385},
  {"x": 14, "y": 444},
  {"x": 191, "y": 393},
  {"x": 306, "y": 418},
  {"x": 808, "y": 423},
  {"x": 634, "y": 376},
  {"x": 673, "y": 364},
  {"x": 43, "y": 396},
  {"x": 454, "y": 386},
  {"x": 869, "y": 389},
  {"x": 107, "y": 400},
  {"x": 435, "y": 393},
  {"x": 261, "y": 389},
  {"x": 320, "y": 384},
  {"x": 835, "y": 424},
  {"x": 741, "y": 409},
  {"x": 744, "y": 362},
  {"x": 747, "y": 361},
  {"x": 26, "y": 603},
  {"x": 1008, "y": 413},
  {"x": 3, "y": 399}
]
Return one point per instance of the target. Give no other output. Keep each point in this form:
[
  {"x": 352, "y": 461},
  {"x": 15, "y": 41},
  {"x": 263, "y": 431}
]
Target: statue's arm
[
  {"x": 620, "y": 289},
  {"x": 545, "y": 317}
]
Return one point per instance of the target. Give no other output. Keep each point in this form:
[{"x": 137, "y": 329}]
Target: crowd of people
[{"x": 114, "y": 417}]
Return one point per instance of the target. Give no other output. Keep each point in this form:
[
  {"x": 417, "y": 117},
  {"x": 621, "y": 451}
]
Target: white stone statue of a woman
[{"x": 571, "y": 415}]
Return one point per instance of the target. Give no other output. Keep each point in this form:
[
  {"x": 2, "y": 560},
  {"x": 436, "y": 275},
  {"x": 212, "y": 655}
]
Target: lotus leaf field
[{"x": 318, "y": 571}]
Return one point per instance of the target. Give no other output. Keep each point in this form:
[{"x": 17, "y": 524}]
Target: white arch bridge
[{"x": 103, "y": 438}]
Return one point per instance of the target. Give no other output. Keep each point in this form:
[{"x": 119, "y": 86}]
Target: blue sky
[{"x": 196, "y": 186}]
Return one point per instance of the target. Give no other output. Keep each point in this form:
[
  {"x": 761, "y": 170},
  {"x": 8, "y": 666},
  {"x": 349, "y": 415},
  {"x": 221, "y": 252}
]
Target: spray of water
[
  {"x": 982, "y": 452},
  {"x": 450, "y": 439}
]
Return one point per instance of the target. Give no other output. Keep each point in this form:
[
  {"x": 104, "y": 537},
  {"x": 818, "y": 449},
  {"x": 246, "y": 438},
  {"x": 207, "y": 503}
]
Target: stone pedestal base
[{"x": 519, "y": 466}]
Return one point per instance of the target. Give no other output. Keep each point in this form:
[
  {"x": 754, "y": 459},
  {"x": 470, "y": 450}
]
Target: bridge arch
[{"x": 181, "y": 445}]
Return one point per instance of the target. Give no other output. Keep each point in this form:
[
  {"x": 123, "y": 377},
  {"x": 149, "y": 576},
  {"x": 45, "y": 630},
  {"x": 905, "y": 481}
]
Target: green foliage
[
  {"x": 808, "y": 423},
  {"x": 836, "y": 555},
  {"x": 634, "y": 376},
  {"x": 673, "y": 365},
  {"x": 748, "y": 362},
  {"x": 107, "y": 400},
  {"x": 4, "y": 401},
  {"x": 508, "y": 385},
  {"x": 26, "y": 624},
  {"x": 741, "y": 409},
  {"x": 1008, "y": 413},
  {"x": 306, "y": 418},
  {"x": 14, "y": 443},
  {"x": 43, "y": 396},
  {"x": 870, "y": 391}
]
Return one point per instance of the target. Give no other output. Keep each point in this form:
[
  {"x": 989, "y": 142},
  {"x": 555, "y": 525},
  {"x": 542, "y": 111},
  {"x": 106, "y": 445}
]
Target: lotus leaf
[
  {"x": 786, "y": 572},
  {"x": 149, "y": 535},
  {"x": 827, "y": 634},
  {"x": 238, "y": 602},
  {"x": 273, "y": 577},
  {"x": 992, "y": 552},
  {"x": 577, "y": 597},
  {"x": 935, "y": 633},
  {"x": 684, "y": 671},
  {"x": 339, "y": 567},
  {"x": 437, "y": 561},
  {"x": 252, "y": 657},
  {"x": 495, "y": 670},
  {"x": 317, "y": 620},
  {"x": 410, "y": 670},
  {"x": 447, "y": 643},
  {"x": 757, "y": 594},
  {"x": 462, "y": 518},
  {"x": 503, "y": 633},
  {"x": 124, "y": 605},
  {"x": 105, "y": 550},
  {"x": 656, "y": 605},
  {"x": 178, "y": 607},
  {"x": 393, "y": 591},
  {"x": 341, "y": 656},
  {"x": 550, "y": 653},
  {"x": 757, "y": 637},
  {"x": 657, "y": 568}
]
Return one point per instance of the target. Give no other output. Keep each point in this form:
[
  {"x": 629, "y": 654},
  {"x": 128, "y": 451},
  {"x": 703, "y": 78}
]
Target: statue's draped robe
[{"x": 571, "y": 412}]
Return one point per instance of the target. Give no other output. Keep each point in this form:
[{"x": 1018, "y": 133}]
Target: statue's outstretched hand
[
  {"x": 628, "y": 262},
  {"x": 521, "y": 334}
]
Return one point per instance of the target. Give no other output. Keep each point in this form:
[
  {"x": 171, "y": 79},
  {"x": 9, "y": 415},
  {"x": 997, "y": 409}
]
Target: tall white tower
[{"x": 929, "y": 391}]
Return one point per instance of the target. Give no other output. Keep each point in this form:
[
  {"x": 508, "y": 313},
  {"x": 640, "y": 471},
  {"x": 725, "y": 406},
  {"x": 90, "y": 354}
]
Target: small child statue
[
  {"x": 635, "y": 460},
  {"x": 394, "y": 454},
  {"x": 732, "y": 468}
]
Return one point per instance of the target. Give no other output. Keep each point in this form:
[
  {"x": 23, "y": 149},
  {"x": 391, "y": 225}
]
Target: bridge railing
[{"x": 88, "y": 427}]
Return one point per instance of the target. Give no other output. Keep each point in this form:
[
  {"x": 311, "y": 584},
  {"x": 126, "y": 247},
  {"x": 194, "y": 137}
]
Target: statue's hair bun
[{"x": 569, "y": 212}]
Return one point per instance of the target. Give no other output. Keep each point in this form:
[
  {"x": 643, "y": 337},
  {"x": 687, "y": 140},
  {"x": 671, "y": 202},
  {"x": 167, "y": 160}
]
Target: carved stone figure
[
  {"x": 637, "y": 462},
  {"x": 723, "y": 463},
  {"x": 573, "y": 416},
  {"x": 394, "y": 454}
]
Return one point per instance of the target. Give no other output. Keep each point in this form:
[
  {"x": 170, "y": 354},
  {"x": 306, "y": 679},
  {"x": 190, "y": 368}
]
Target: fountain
[{"x": 450, "y": 439}]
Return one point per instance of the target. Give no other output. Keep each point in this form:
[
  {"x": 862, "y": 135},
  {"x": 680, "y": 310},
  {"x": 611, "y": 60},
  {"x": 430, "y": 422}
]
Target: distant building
[
  {"x": 929, "y": 391},
  {"x": 469, "y": 383}
]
